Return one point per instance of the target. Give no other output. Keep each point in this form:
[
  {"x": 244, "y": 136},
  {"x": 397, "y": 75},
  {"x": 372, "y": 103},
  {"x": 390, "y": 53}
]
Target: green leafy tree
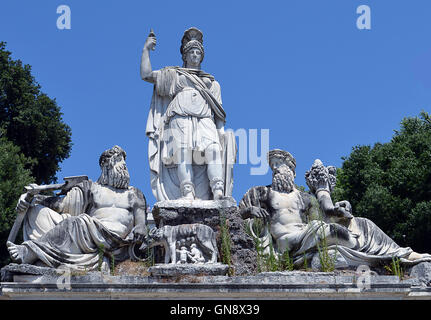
[
  {"x": 31, "y": 120},
  {"x": 390, "y": 183},
  {"x": 13, "y": 178},
  {"x": 33, "y": 139}
]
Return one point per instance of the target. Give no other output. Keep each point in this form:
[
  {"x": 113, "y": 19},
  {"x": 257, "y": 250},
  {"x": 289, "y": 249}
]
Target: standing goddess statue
[{"x": 190, "y": 154}]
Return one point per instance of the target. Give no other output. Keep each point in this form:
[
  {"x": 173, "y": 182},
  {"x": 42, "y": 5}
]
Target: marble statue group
[
  {"x": 298, "y": 221},
  {"x": 191, "y": 160}
]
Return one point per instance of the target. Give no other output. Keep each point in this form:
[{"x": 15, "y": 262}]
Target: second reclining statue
[{"x": 298, "y": 221}]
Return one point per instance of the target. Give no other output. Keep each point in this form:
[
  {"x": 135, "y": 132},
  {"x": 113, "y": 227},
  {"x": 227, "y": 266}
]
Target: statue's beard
[
  {"x": 283, "y": 182},
  {"x": 116, "y": 176}
]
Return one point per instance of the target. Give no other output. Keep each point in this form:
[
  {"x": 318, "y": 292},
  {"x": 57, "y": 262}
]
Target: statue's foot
[
  {"x": 416, "y": 256},
  {"x": 20, "y": 253}
]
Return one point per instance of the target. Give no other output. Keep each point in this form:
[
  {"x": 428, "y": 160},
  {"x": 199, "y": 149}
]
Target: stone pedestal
[
  {"x": 175, "y": 212},
  {"x": 422, "y": 271},
  {"x": 175, "y": 270},
  {"x": 12, "y": 270},
  {"x": 41, "y": 283},
  {"x": 213, "y": 213}
]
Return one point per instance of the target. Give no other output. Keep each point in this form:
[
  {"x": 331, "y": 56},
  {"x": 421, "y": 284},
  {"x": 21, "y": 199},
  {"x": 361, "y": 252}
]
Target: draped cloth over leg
[
  {"x": 363, "y": 243},
  {"x": 70, "y": 237},
  {"x": 75, "y": 241},
  {"x": 373, "y": 247},
  {"x": 40, "y": 220}
]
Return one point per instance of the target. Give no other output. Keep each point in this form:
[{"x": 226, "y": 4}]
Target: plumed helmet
[{"x": 192, "y": 38}]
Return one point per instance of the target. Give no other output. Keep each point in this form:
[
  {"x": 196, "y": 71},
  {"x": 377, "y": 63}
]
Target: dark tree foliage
[
  {"x": 390, "y": 183},
  {"x": 33, "y": 139},
  {"x": 13, "y": 178},
  {"x": 31, "y": 120}
]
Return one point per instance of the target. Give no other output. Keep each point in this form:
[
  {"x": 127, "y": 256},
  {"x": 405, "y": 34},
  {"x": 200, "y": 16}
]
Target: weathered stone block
[
  {"x": 175, "y": 212},
  {"x": 12, "y": 269},
  {"x": 422, "y": 272},
  {"x": 212, "y": 213},
  {"x": 172, "y": 270}
]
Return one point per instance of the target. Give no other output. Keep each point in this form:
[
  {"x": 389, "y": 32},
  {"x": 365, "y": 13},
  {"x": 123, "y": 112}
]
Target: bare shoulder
[{"x": 137, "y": 196}]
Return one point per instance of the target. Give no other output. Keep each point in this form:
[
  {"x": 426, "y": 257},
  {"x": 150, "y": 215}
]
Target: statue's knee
[
  {"x": 36, "y": 211},
  {"x": 43, "y": 216}
]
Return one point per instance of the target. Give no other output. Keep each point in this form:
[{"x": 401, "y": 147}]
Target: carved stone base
[
  {"x": 212, "y": 213},
  {"x": 276, "y": 285},
  {"x": 175, "y": 212},
  {"x": 422, "y": 271},
  {"x": 174, "y": 270},
  {"x": 9, "y": 271}
]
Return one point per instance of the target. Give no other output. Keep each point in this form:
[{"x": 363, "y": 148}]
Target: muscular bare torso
[
  {"x": 287, "y": 213},
  {"x": 113, "y": 208}
]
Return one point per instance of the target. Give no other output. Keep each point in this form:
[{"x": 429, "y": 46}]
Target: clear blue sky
[{"x": 299, "y": 68}]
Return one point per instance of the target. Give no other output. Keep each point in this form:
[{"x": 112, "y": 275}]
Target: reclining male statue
[
  {"x": 70, "y": 230},
  {"x": 299, "y": 221}
]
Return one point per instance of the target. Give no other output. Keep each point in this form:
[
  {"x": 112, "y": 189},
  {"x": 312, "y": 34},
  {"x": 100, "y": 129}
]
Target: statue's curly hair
[
  {"x": 107, "y": 154},
  {"x": 283, "y": 155}
]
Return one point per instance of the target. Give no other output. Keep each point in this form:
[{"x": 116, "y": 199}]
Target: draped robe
[
  {"x": 183, "y": 112},
  {"x": 372, "y": 247},
  {"x": 71, "y": 236}
]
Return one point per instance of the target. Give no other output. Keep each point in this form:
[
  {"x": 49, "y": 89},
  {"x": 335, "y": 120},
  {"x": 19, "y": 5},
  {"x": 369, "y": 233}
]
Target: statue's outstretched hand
[
  {"x": 343, "y": 209},
  {"x": 22, "y": 205},
  {"x": 25, "y": 199},
  {"x": 150, "y": 43}
]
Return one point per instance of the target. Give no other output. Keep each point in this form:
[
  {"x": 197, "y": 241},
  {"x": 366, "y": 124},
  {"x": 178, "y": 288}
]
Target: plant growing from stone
[
  {"x": 101, "y": 252},
  {"x": 395, "y": 268},
  {"x": 305, "y": 265},
  {"x": 327, "y": 259},
  {"x": 112, "y": 264},
  {"x": 149, "y": 261},
  {"x": 268, "y": 261},
  {"x": 271, "y": 259},
  {"x": 225, "y": 243},
  {"x": 286, "y": 261}
]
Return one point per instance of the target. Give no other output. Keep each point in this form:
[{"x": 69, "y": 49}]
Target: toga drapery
[
  {"x": 70, "y": 236},
  {"x": 372, "y": 247},
  {"x": 184, "y": 108}
]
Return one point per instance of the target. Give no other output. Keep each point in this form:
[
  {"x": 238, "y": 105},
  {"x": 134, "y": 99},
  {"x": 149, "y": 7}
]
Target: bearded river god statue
[
  {"x": 70, "y": 230},
  {"x": 298, "y": 221},
  {"x": 190, "y": 154}
]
